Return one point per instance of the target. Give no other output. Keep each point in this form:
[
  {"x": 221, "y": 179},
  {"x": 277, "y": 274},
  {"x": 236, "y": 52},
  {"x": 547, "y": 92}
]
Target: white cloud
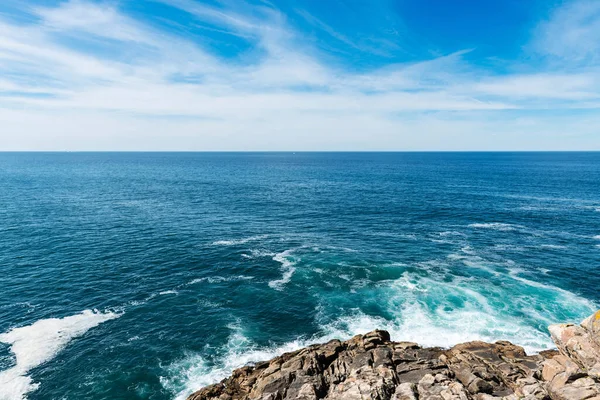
[
  {"x": 150, "y": 90},
  {"x": 100, "y": 20},
  {"x": 572, "y": 32},
  {"x": 577, "y": 86}
]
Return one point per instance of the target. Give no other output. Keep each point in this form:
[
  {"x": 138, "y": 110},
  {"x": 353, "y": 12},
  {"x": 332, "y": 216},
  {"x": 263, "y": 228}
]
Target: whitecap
[
  {"x": 233, "y": 242},
  {"x": 497, "y": 226},
  {"x": 508, "y": 247},
  {"x": 451, "y": 233},
  {"x": 218, "y": 279},
  {"x": 553, "y": 246},
  {"x": 544, "y": 271},
  {"x": 287, "y": 268},
  {"x": 480, "y": 264},
  {"x": 394, "y": 264},
  {"x": 468, "y": 250},
  {"x": 168, "y": 292},
  {"x": 597, "y": 237},
  {"x": 406, "y": 282},
  {"x": 258, "y": 254},
  {"x": 39, "y": 343}
]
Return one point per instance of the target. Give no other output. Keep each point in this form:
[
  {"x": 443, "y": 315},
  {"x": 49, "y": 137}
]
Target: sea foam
[
  {"x": 497, "y": 226},
  {"x": 287, "y": 268},
  {"x": 40, "y": 342},
  {"x": 233, "y": 242},
  {"x": 218, "y": 279},
  {"x": 412, "y": 319}
]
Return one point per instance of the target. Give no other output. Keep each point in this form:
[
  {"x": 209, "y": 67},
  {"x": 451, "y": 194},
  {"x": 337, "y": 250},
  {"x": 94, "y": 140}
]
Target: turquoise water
[{"x": 149, "y": 275}]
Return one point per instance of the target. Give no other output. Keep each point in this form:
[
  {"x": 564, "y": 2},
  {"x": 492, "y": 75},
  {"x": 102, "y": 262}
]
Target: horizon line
[{"x": 299, "y": 151}]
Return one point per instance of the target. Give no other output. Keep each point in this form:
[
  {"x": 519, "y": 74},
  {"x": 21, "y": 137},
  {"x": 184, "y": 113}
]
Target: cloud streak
[{"x": 89, "y": 76}]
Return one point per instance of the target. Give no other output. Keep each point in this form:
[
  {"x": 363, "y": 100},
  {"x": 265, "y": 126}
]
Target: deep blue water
[{"x": 191, "y": 264}]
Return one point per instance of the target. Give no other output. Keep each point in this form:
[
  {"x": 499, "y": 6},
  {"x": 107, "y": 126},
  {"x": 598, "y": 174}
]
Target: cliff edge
[{"x": 372, "y": 367}]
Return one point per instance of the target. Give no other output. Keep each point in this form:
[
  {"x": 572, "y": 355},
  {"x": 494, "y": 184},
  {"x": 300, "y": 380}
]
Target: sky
[{"x": 324, "y": 75}]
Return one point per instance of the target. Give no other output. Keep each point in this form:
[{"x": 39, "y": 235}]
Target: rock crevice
[{"x": 372, "y": 367}]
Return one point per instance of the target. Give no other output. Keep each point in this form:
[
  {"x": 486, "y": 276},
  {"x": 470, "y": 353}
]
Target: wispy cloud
[
  {"x": 87, "y": 75},
  {"x": 571, "y": 33}
]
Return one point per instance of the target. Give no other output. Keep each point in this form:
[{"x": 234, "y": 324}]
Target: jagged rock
[
  {"x": 575, "y": 373},
  {"x": 405, "y": 391},
  {"x": 372, "y": 367},
  {"x": 497, "y": 369},
  {"x": 592, "y": 325},
  {"x": 577, "y": 343}
]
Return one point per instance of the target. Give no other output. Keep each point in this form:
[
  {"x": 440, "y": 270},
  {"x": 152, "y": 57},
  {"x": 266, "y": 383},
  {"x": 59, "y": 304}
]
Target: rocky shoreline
[{"x": 371, "y": 366}]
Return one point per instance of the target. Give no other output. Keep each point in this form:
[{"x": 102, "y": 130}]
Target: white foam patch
[
  {"x": 219, "y": 279},
  {"x": 234, "y": 242},
  {"x": 597, "y": 237},
  {"x": 258, "y": 254},
  {"x": 168, "y": 292},
  {"x": 451, "y": 233},
  {"x": 40, "y": 342},
  {"x": 439, "y": 309},
  {"x": 507, "y": 247},
  {"x": 287, "y": 268},
  {"x": 553, "y": 246},
  {"x": 497, "y": 226}
]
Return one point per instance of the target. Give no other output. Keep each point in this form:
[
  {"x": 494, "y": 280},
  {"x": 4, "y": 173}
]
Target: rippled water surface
[{"x": 149, "y": 275}]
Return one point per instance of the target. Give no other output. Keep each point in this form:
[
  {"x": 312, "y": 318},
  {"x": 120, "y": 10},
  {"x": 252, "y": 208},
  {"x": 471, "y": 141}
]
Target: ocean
[{"x": 150, "y": 275}]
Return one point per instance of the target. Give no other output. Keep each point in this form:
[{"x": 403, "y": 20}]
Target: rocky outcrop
[
  {"x": 373, "y": 367},
  {"x": 575, "y": 373}
]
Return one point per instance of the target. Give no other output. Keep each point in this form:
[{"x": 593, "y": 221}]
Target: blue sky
[{"x": 300, "y": 75}]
